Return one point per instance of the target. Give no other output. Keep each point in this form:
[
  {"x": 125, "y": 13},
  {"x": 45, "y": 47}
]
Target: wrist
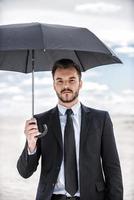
[{"x": 32, "y": 147}]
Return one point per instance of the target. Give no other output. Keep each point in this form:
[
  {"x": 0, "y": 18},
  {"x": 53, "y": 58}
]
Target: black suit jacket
[{"x": 99, "y": 166}]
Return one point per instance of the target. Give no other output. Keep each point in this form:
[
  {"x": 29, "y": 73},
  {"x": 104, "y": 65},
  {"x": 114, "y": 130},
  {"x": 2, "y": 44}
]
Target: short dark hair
[{"x": 65, "y": 64}]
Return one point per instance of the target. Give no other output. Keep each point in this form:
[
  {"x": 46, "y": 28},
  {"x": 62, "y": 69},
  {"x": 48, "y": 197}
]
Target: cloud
[
  {"x": 44, "y": 81},
  {"x": 128, "y": 92},
  {"x": 3, "y": 85},
  {"x": 99, "y": 8},
  {"x": 123, "y": 102},
  {"x": 18, "y": 98},
  {"x": 4, "y": 88},
  {"x": 128, "y": 96},
  {"x": 125, "y": 50},
  {"x": 119, "y": 36},
  {"x": 94, "y": 87},
  {"x": 90, "y": 74},
  {"x": 39, "y": 81}
]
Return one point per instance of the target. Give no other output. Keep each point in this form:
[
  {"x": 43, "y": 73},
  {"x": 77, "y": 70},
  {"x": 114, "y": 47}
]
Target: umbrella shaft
[{"x": 33, "y": 83}]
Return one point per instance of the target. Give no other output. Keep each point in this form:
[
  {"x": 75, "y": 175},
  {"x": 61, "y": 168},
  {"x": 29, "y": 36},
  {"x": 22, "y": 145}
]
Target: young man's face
[{"x": 67, "y": 84}]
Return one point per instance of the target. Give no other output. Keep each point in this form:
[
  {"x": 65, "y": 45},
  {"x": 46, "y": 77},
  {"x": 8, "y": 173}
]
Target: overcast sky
[{"x": 107, "y": 87}]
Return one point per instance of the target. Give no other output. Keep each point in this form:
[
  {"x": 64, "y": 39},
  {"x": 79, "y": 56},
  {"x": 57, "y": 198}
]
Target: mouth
[{"x": 66, "y": 92}]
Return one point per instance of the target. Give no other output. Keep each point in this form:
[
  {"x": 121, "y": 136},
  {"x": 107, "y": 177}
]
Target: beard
[{"x": 67, "y": 98}]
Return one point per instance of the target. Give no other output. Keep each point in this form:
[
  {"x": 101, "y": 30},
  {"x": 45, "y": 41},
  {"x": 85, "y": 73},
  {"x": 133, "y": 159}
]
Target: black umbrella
[{"x": 35, "y": 47}]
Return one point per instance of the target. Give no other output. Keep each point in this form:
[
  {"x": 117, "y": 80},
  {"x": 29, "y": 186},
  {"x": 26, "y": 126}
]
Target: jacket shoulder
[{"x": 94, "y": 111}]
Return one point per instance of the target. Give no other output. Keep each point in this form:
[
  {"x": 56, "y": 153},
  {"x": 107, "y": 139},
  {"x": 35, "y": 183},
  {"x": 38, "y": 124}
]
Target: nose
[{"x": 66, "y": 84}]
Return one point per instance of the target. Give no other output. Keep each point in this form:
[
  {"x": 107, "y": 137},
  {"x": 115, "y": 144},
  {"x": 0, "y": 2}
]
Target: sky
[{"x": 108, "y": 87}]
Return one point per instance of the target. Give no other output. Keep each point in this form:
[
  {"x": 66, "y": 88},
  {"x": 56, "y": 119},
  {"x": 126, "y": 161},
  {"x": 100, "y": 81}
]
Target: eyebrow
[
  {"x": 58, "y": 78},
  {"x": 73, "y": 77}
]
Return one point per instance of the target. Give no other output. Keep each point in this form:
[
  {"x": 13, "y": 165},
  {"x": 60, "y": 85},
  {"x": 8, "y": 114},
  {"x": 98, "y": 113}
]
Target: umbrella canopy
[
  {"x": 50, "y": 43},
  {"x": 36, "y": 46}
]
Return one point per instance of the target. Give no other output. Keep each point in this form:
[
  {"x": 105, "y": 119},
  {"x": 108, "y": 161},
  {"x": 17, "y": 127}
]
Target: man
[{"x": 79, "y": 159}]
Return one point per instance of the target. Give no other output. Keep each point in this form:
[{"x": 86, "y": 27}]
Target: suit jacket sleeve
[
  {"x": 27, "y": 164},
  {"x": 111, "y": 163}
]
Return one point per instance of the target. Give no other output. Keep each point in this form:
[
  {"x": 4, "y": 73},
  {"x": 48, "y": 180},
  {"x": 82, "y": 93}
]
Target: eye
[
  {"x": 72, "y": 81},
  {"x": 59, "y": 82}
]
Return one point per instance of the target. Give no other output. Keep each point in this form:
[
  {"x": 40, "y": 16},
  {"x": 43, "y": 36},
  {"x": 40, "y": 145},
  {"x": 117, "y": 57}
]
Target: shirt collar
[{"x": 75, "y": 108}]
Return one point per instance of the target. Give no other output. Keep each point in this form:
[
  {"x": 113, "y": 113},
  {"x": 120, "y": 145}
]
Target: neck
[{"x": 69, "y": 104}]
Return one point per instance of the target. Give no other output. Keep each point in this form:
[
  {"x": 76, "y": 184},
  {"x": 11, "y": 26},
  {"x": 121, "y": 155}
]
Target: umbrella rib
[
  {"x": 83, "y": 69},
  {"x": 43, "y": 37},
  {"x": 27, "y": 62}
]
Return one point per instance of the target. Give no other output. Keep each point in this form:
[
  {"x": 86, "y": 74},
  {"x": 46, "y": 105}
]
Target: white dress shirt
[{"x": 76, "y": 116}]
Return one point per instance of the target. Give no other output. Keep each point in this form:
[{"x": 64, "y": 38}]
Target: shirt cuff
[{"x": 31, "y": 153}]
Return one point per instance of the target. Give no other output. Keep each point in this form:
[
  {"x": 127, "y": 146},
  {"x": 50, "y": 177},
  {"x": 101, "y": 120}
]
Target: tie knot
[{"x": 69, "y": 112}]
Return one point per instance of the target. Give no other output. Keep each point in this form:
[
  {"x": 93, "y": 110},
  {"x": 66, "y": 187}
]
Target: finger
[
  {"x": 31, "y": 126},
  {"x": 30, "y": 132},
  {"x": 31, "y": 121},
  {"x": 33, "y": 134},
  {"x": 31, "y": 129}
]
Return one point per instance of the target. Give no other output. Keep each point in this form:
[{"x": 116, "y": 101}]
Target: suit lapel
[
  {"x": 85, "y": 124},
  {"x": 55, "y": 125}
]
